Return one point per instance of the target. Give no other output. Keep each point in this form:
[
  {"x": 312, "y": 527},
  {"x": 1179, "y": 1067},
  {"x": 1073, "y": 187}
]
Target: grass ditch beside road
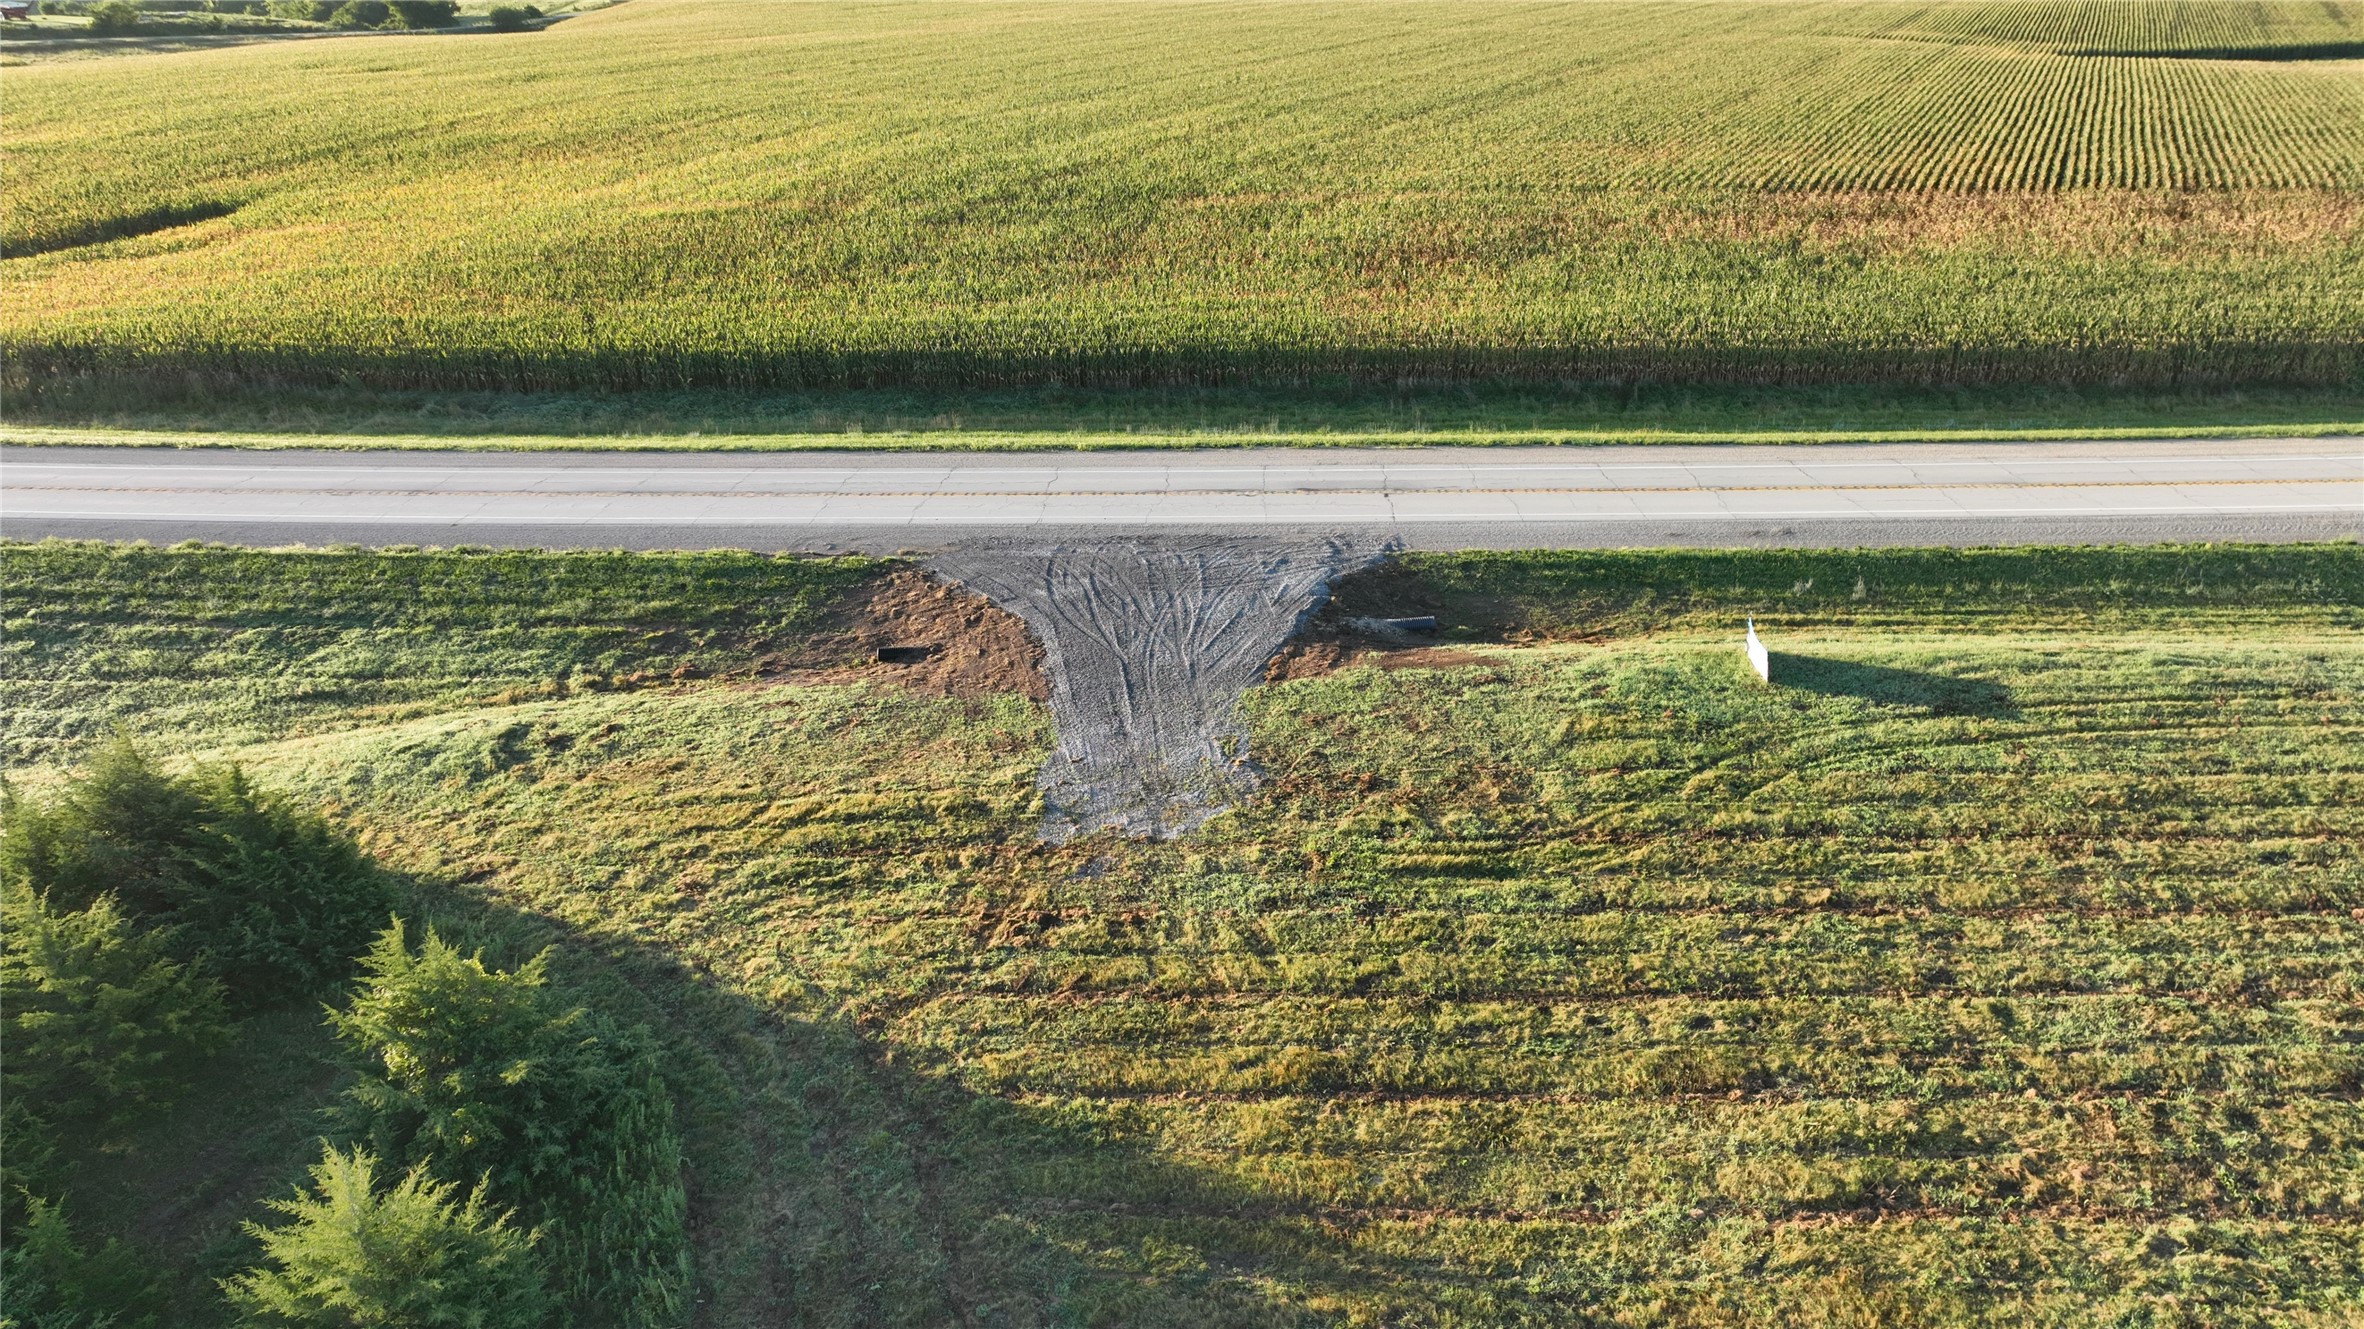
[
  {"x": 95, "y": 413},
  {"x": 2000, "y": 969},
  {"x": 223, "y": 646}
]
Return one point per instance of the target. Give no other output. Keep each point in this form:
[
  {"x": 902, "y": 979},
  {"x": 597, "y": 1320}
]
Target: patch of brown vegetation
[
  {"x": 2112, "y": 222},
  {"x": 1390, "y": 588},
  {"x": 973, "y": 648},
  {"x": 1312, "y": 658},
  {"x": 1345, "y": 633},
  {"x": 1338, "y": 636}
]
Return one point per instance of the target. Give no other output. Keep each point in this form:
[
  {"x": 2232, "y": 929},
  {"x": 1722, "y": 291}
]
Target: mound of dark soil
[{"x": 943, "y": 641}]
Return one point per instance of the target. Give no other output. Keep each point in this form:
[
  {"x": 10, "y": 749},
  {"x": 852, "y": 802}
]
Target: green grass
[
  {"x": 86, "y": 413},
  {"x": 218, "y": 645},
  {"x": 2001, "y": 967},
  {"x": 1032, "y": 193}
]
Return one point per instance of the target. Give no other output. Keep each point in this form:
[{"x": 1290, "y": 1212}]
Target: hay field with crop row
[
  {"x": 750, "y": 194},
  {"x": 2000, "y": 968}
]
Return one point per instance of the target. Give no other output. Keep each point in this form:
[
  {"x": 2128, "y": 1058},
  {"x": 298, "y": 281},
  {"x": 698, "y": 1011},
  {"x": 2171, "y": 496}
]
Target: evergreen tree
[
  {"x": 48, "y": 1280},
  {"x": 272, "y": 900},
  {"x": 102, "y": 1023},
  {"x": 415, "y": 1256},
  {"x": 482, "y": 1073}
]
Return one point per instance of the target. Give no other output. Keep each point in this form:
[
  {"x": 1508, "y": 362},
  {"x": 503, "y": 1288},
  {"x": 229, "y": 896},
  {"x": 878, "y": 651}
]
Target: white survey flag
[{"x": 1758, "y": 658}]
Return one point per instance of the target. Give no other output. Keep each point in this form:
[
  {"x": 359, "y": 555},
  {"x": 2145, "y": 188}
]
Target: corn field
[{"x": 740, "y": 193}]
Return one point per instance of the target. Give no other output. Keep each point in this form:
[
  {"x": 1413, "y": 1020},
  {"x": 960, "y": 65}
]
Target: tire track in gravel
[{"x": 1148, "y": 643}]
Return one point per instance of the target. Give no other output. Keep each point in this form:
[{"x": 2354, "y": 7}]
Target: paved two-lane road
[{"x": 1855, "y": 494}]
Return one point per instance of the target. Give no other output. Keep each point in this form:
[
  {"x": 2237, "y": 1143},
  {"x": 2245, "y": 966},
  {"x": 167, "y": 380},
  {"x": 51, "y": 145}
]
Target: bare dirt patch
[{"x": 953, "y": 642}]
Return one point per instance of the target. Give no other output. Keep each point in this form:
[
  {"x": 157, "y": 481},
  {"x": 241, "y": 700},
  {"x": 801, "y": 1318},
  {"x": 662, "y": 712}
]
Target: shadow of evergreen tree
[{"x": 835, "y": 1181}]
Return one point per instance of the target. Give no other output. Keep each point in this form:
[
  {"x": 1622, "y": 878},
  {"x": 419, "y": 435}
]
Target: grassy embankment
[
  {"x": 1082, "y": 419},
  {"x": 1999, "y": 968},
  {"x": 1233, "y": 217}
]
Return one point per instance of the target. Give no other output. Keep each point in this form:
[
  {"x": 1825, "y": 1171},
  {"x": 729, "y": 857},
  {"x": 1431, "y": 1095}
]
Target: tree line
[{"x": 125, "y": 17}]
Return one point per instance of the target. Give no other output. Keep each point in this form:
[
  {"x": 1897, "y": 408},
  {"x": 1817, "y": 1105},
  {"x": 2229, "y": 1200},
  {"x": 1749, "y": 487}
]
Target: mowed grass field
[
  {"x": 752, "y": 194},
  {"x": 2001, "y": 967}
]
